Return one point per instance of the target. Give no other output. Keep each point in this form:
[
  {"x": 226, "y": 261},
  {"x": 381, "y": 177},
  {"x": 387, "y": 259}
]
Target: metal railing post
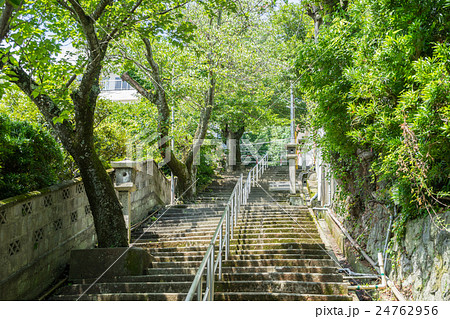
[
  {"x": 199, "y": 289},
  {"x": 211, "y": 285},
  {"x": 253, "y": 177},
  {"x": 227, "y": 234},
  {"x": 241, "y": 190},
  {"x": 236, "y": 208},
  {"x": 219, "y": 254},
  {"x": 231, "y": 217},
  {"x": 209, "y": 271}
]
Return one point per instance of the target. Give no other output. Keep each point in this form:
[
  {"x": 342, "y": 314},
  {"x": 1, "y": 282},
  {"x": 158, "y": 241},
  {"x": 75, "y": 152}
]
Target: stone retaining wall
[
  {"x": 38, "y": 230},
  {"x": 420, "y": 265},
  {"x": 153, "y": 189}
]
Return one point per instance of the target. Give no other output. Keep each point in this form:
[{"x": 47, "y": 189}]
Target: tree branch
[
  {"x": 64, "y": 4},
  {"x": 155, "y": 69},
  {"x": 5, "y": 19},
  {"x": 205, "y": 115},
  {"x": 44, "y": 103},
  {"x": 72, "y": 78},
  {"x": 92, "y": 72},
  {"x": 148, "y": 95},
  {"x": 79, "y": 11},
  {"x": 174, "y": 8},
  {"x": 100, "y": 9}
]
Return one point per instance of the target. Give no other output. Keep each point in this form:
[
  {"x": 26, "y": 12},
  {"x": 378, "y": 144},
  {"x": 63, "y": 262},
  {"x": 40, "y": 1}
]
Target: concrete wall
[
  {"x": 38, "y": 230},
  {"x": 153, "y": 189}
]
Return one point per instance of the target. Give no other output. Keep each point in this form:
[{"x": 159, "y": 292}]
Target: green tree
[
  {"x": 65, "y": 89},
  {"x": 210, "y": 56},
  {"x": 376, "y": 83}
]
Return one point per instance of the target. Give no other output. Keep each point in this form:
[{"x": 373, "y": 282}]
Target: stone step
[
  {"x": 214, "y": 198},
  {"x": 234, "y": 248},
  {"x": 250, "y": 262},
  {"x": 273, "y": 208},
  {"x": 283, "y": 235},
  {"x": 187, "y": 220},
  {"x": 247, "y": 269},
  {"x": 237, "y": 236},
  {"x": 260, "y": 296},
  {"x": 124, "y": 297},
  {"x": 239, "y": 229},
  {"x": 127, "y": 287},
  {"x": 255, "y": 212},
  {"x": 213, "y": 211},
  {"x": 192, "y": 230},
  {"x": 287, "y": 252},
  {"x": 193, "y": 212},
  {"x": 207, "y": 205},
  {"x": 227, "y": 276},
  {"x": 286, "y": 223},
  {"x": 271, "y": 205},
  {"x": 275, "y": 228},
  {"x": 202, "y": 220},
  {"x": 282, "y": 286},
  {"x": 194, "y": 241},
  {"x": 159, "y": 258},
  {"x": 273, "y": 218}
]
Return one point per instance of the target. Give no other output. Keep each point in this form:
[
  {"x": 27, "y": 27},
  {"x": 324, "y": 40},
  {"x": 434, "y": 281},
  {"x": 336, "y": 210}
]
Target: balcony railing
[{"x": 115, "y": 85}]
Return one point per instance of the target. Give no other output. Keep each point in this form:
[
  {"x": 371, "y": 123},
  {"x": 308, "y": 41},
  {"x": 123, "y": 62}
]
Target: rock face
[
  {"x": 423, "y": 259},
  {"x": 420, "y": 265}
]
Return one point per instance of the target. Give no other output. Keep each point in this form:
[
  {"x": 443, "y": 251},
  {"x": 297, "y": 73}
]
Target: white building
[{"x": 117, "y": 90}]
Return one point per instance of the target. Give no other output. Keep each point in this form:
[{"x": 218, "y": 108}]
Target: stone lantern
[{"x": 125, "y": 178}]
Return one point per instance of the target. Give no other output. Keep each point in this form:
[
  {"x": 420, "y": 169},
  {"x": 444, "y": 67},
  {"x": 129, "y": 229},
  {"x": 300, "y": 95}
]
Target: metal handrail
[{"x": 224, "y": 232}]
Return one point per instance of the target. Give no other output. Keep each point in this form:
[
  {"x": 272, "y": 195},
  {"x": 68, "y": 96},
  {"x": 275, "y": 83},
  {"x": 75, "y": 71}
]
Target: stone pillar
[
  {"x": 125, "y": 177},
  {"x": 291, "y": 157},
  {"x": 323, "y": 185},
  {"x": 231, "y": 145}
]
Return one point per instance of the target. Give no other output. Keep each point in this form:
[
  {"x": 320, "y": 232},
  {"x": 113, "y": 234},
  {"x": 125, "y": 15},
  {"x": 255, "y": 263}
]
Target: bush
[{"x": 29, "y": 158}]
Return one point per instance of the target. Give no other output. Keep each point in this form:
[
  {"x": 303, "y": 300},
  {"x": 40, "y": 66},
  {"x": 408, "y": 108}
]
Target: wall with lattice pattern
[
  {"x": 37, "y": 232},
  {"x": 39, "y": 229}
]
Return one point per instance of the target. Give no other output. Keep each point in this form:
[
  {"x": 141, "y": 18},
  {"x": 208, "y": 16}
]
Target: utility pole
[
  {"x": 292, "y": 115},
  {"x": 172, "y": 147},
  {"x": 292, "y": 147}
]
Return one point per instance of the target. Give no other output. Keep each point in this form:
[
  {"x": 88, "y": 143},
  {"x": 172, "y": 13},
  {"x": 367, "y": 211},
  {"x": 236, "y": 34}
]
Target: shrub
[{"x": 30, "y": 158}]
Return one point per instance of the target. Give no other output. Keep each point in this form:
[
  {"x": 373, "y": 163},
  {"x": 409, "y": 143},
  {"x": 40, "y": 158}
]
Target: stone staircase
[{"x": 276, "y": 252}]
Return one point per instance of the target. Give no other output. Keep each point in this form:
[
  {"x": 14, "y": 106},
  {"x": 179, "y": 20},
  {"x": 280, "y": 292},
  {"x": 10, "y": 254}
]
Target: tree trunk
[
  {"x": 78, "y": 141},
  {"x": 106, "y": 209},
  {"x": 187, "y": 184}
]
